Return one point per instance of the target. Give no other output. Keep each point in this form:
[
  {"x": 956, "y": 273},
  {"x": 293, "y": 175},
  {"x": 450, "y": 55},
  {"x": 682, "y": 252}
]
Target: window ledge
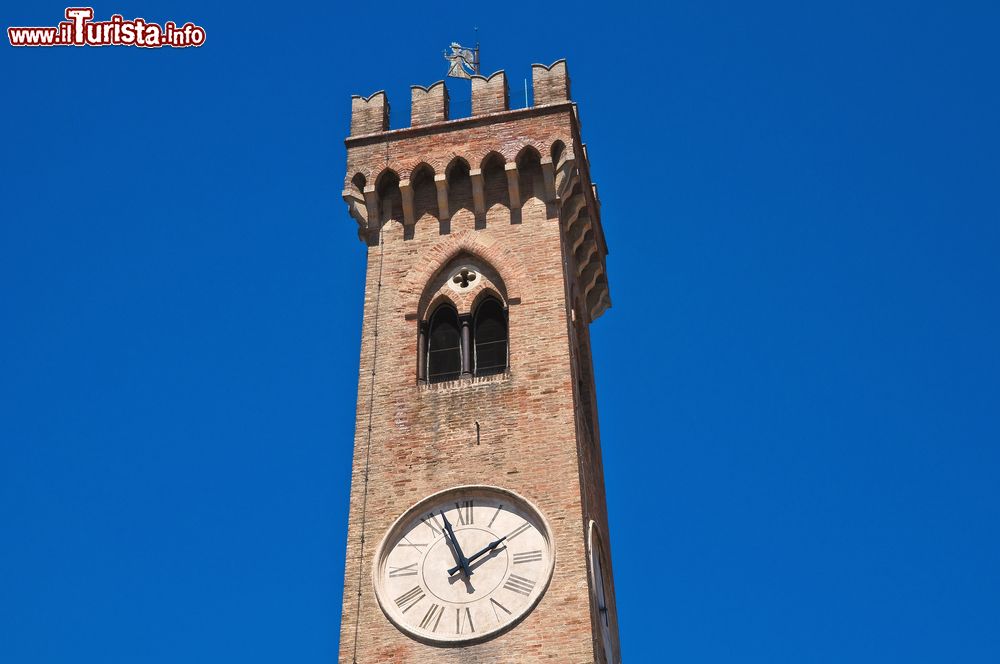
[{"x": 464, "y": 382}]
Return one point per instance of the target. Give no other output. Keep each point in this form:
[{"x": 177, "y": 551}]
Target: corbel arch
[
  {"x": 531, "y": 181},
  {"x": 493, "y": 157},
  {"x": 494, "y": 179},
  {"x": 388, "y": 197},
  {"x": 459, "y": 185},
  {"x": 424, "y": 191}
]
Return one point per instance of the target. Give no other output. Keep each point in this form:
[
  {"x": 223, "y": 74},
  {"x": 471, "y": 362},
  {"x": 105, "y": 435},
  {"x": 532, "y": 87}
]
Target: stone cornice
[{"x": 460, "y": 123}]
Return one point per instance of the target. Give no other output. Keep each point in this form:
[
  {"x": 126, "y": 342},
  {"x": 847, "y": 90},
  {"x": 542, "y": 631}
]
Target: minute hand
[
  {"x": 479, "y": 554},
  {"x": 463, "y": 562}
]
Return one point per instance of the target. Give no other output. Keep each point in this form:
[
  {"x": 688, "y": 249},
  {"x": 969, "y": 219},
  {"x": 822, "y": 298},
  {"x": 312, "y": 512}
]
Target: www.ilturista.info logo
[{"x": 79, "y": 29}]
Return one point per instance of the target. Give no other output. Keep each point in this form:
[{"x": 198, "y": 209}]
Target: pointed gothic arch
[{"x": 462, "y": 321}]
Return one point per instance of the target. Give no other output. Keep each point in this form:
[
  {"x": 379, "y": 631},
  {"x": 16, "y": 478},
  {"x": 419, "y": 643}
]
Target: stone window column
[
  {"x": 466, "y": 322},
  {"x": 422, "y": 351}
]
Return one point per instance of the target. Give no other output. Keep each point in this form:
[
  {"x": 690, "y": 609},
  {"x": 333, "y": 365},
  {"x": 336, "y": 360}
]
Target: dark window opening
[
  {"x": 490, "y": 338},
  {"x": 444, "y": 346}
]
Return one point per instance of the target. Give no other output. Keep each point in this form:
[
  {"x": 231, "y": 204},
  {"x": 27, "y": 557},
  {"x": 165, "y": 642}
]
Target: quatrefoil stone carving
[{"x": 464, "y": 278}]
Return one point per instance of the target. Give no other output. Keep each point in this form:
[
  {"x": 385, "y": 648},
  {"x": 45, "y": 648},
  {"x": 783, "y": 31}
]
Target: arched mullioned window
[
  {"x": 444, "y": 345},
  {"x": 463, "y": 328},
  {"x": 490, "y": 334}
]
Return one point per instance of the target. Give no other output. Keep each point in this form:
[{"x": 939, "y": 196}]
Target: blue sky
[{"x": 798, "y": 381}]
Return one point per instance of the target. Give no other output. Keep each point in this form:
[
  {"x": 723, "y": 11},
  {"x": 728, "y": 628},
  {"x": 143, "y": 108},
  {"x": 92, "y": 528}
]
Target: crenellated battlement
[
  {"x": 499, "y": 166},
  {"x": 550, "y": 84},
  {"x": 428, "y": 105},
  {"x": 490, "y": 94},
  {"x": 369, "y": 114}
]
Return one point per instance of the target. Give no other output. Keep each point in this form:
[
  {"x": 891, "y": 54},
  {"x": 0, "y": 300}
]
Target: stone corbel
[
  {"x": 356, "y": 207},
  {"x": 590, "y": 275},
  {"x": 590, "y": 251},
  {"x": 579, "y": 231},
  {"x": 441, "y": 182},
  {"x": 566, "y": 176},
  {"x": 406, "y": 192},
  {"x": 549, "y": 176},
  {"x": 477, "y": 192},
  {"x": 598, "y": 303},
  {"x": 571, "y": 209},
  {"x": 371, "y": 203},
  {"x": 513, "y": 185}
]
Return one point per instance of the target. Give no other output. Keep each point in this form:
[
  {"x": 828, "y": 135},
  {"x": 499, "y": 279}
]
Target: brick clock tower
[{"x": 478, "y": 528}]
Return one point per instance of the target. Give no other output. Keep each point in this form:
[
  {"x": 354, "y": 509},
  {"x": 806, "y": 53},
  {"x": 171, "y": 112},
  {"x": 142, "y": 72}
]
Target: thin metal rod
[{"x": 476, "y": 30}]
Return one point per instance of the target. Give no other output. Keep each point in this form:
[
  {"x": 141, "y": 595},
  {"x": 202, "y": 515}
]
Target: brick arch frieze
[{"x": 404, "y": 167}]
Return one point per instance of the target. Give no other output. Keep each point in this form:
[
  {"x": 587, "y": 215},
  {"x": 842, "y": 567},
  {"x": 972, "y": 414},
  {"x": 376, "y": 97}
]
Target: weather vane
[{"x": 463, "y": 62}]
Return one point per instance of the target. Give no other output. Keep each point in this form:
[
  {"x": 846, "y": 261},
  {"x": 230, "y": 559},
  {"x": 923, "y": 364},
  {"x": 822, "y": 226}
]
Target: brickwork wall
[
  {"x": 428, "y": 104},
  {"x": 489, "y": 93},
  {"x": 550, "y": 84}
]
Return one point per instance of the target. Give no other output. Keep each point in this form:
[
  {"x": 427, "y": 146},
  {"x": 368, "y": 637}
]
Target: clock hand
[
  {"x": 463, "y": 562},
  {"x": 479, "y": 554}
]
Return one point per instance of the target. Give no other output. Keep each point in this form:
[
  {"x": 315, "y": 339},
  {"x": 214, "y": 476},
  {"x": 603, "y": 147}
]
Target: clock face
[
  {"x": 463, "y": 565},
  {"x": 602, "y": 592}
]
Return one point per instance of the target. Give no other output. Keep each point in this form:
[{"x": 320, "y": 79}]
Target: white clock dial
[
  {"x": 463, "y": 565},
  {"x": 602, "y": 594}
]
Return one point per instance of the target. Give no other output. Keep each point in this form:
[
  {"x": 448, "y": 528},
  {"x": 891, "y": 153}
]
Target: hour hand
[
  {"x": 478, "y": 554},
  {"x": 463, "y": 562}
]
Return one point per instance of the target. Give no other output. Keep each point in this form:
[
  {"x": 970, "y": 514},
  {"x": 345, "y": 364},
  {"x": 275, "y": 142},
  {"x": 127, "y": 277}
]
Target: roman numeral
[
  {"x": 494, "y": 604},
  {"x": 409, "y": 599},
  {"x": 419, "y": 546},
  {"x": 408, "y": 570},
  {"x": 432, "y": 524},
  {"x": 519, "y": 585},
  {"x": 526, "y": 557},
  {"x": 517, "y": 531},
  {"x": 464, "y": 513},
  {"x": 462, "y": 619},
  {"x": 495, "y": 515},
  {"x": 433, "y": 615}
]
